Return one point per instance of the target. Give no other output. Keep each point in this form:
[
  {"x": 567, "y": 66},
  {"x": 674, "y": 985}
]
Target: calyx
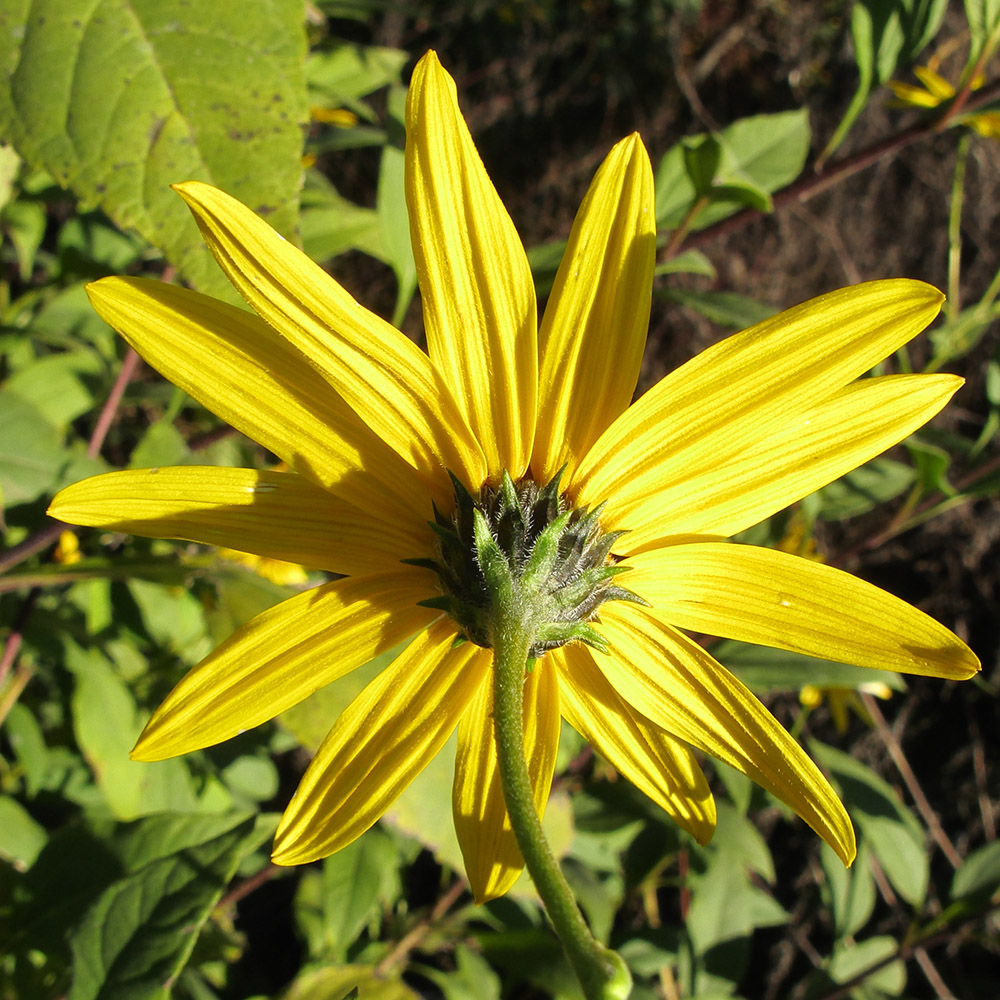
[{"x": 523, "y": 550}]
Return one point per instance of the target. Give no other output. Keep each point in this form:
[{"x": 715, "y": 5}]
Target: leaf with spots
[{"x": 119, "y": 99}]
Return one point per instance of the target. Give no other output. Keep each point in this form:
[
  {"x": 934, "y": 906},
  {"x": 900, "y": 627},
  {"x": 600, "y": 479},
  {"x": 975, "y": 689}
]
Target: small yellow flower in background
[
  {"x": 67, "y": 550},
  {"x": 798, "y": 539},
  {"x": 936, "y": 90},
  {"x": 338, "y": 117},
  {"x": 843, "y": 700},
  {"x": 512, "y": 447}
]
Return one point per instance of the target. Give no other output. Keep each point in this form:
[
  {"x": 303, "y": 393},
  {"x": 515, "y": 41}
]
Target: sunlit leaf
[
  {"x": 119, "y": 100},
  {"x": 764, "y": 151},
  {"x": 139, "y": 934}
]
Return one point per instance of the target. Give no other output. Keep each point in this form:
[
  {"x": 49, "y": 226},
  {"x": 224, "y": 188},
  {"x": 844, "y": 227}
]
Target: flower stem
[{"x": 602, "y": 973}]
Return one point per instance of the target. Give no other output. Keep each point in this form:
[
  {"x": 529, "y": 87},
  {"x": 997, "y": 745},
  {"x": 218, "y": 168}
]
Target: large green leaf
[
  {"x": 979, "y": 876},
  {"x": 333, "y": 906},
  {"x": 764, "y": 152},
  {"x": 118, "y": 99},
  {"x": 106, "y": 725},
  {"x": 141, "y": 931},
  {"x": 31, "y": 454},
  {"x": 891, "y": 830}
]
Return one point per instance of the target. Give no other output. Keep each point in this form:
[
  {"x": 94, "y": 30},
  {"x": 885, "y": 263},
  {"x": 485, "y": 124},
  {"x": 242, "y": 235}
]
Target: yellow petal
[
  {"x": 475, "y": 284},
  {"x": 381, "y": 741},
  {"x": 777, "y": 599},
  {"x": 778, "y": 367},
  {"x": 492, "y": 859},
  {"x": 234, "y": 364},
  {"x": 747, "y": 470},
  {"x": 275, "y": 514},
  {"x": 673, "y": 682},
  {"x": 935, "y": 83},
  {"x": 913, "y": 96},
  {"x": 390, "y": 383},
  {"x": 658, "y": 765},
  {"x": 283, "y": 655},
  {"x": 595, "y": 323}
]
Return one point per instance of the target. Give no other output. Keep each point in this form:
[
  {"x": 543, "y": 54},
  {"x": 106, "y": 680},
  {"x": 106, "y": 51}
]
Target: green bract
[{"x": 523, "y": 548}]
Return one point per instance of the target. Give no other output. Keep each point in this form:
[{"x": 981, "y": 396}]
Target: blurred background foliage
[{"x": 785, "y": 165}]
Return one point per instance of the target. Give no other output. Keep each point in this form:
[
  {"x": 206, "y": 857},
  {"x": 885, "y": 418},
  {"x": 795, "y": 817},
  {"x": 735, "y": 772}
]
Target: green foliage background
[{"x": 127, "y": 880}]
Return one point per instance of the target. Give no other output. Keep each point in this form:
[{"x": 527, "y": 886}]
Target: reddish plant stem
[
  {"x": 130, "y": 365},
  {"x": 415, "y": 935},
  {"x": 924, "y": 807},
  {"x": 47, "y": 535},
  {"x": 809, "y": 186}
]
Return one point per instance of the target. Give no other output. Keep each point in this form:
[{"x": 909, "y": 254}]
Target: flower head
[
  {"x": 936, "y": 90},
  {"x": 511, "y": 453}
]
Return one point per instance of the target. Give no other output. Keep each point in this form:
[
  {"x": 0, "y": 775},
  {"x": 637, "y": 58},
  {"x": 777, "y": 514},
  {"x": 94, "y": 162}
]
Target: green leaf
[
  {"x": 767, "y": 670},
  {"x": 10, "y": 167},
  {"x": 954, "y": 338},
  {"x": 21, "y": 836},
  {"x": 87, "y": 244},
  {"x": 173, "y": 617},
  {"x": 331, "y": 224},
  {"x": 984, "y": 21},
  {"x": 725, "y": 908},
  {"x": 729, "y": 309},
  {"x": 54, "y": 386},
  {"x": 687, "y": 262},
  {"x": 24, "y": 223},
  {"x": 354, "y": 880},
  {"x": 121, "y": 99},
  {"x": 763, "y": 152},
  {"x": 344, "y": 981},
  {"x": 251, "y": 779},
  {"x": 745, "y": 194},
  {"x": 863, "y": 489},
  {"x": 240, "y": 594},
  {"x": 68, "y": 319},
  {"x": 162, "y": 444},
  {"x": 887, "y": 35},
  {"x": 892, "y": 831},
  {"x": 106, "y": 725},
  {"x": 346, "y": 72},
  {"x": 932, "y": 464},
  {"x": 28, "y": 743},
  {"x": 139, "y": 934},
  {"x": 390, "y": 205},
  {"x": 31, "y": 453},
  {"x": 544, "y": 262},
  {"x": 702, "y": 155},
  {"x": 472, "y": 979},
  {"x": 853, "y": 959},
  {"x": 979, "y": 876},
  {"x": 849, "y": 892}
]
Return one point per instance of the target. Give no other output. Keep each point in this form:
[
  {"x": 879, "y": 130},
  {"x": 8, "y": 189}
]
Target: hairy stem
[{"x": 602, "y": 974}]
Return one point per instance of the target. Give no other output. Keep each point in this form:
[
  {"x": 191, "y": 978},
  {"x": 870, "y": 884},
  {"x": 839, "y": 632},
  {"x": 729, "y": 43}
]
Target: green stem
[{"x": 602, "y": 973}]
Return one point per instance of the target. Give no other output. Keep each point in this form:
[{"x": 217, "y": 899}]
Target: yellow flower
[
  {"x": 67, "y": 551},
  {"x": 374, "y": 429},
  {"x": 935, "y": 91},
  {"x": 339, "y": 117},
  {"x": 843, "y": 700}
]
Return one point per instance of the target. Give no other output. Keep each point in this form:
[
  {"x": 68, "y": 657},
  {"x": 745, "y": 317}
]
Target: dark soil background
[{"x": 547, "y": 88}]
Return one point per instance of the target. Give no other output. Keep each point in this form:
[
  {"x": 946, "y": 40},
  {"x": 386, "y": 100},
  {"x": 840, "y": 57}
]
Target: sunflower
[{"x": 511, "y": 456}]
